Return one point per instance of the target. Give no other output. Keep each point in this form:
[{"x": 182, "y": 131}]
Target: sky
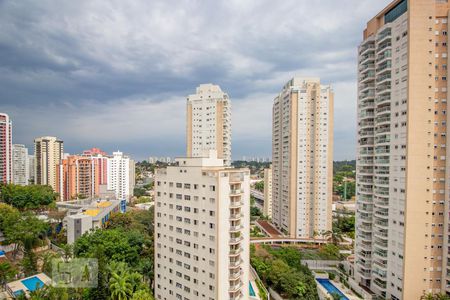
[{"x": 115, "y": 74}]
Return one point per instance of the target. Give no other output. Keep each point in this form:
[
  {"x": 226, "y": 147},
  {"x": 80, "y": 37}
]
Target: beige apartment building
[
  {"x": 402, "y": 187},
  {"x": 48, "y": 152},
  {"x": 202, "y": 238},
  {"x": 209, "y": 122},
  {"x": 267, "y": 209},
  {"x": 302, "y": 158}
]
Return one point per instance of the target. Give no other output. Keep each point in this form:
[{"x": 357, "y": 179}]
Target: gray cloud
[{"x": 115, "y": 74}]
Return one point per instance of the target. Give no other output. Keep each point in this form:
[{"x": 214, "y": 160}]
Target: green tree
[
  {"x": 26, "y": 232},
  {"x": 27, "y": 197},
  {"x": 259, "y": 186},
  {"x": 7, "y": 272},
  {"x": 120, "y": 285},
  {"x": 142, "y": 295}
]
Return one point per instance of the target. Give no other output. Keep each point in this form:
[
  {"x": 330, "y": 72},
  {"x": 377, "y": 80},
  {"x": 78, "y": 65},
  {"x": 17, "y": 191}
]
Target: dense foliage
[
  {"x": 27, "y": 197},
  {"x": 281, "y": 269},
  {"x": 259, "y": 186},
  {"x": 344, "y": 179},
  {"x": 345, "y": 225},
  {"x": 125, "y": 256}
]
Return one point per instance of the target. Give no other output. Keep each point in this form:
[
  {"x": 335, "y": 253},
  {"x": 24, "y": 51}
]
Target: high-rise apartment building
[
  {"x": 121, "y": 175},
  {"x": 48, "y": 152},
  {"x": 81, "y": 177},
  {"x": 5, "y": 149},
  {"x": 302, "y": 158},
  {"x": 402, "y": 187},
  {"x": 21, "y": 165},
  {"x": 209, "y": 122},
  {"x": 202, "y": 220},
  {"x": 267, "y": 209},
  {"x": 31, "y": 168}
]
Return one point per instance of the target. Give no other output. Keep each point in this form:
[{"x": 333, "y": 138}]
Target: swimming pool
[
  {"x": 331, "y": 288},
  {"x": 2, "y": 252},
  {"x": 251, "y": 290},
  {"x": 33, "y": 283}
]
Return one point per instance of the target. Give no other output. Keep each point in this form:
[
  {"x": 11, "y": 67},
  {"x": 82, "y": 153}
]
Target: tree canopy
[{"x": 27, "y": 197}]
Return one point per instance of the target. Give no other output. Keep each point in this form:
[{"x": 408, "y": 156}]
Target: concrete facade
[
  {"x": 5, "y": 149},
  {"x": 208, "y": 125},
  {"x": 202, "y": 230},
  {"x": 48, "y": 152},
  {"x": 402, "y": 188},
  {"x": 21, "y": 165},
  {"x": 302, "y": 158}
]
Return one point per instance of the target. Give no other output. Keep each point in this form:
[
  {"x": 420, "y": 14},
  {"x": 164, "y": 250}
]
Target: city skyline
[{"x": 120, "y": 98}]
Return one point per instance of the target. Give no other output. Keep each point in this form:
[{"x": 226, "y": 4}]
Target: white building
[
  {"x": 21, "y": 164},
  {"x": 85, "y": 215},
  {"x": 302, "y": 164},
  {"x": 202, "y": 237},
  {"x": 121, "y": 175},
  {"x": 48, "y": 152},
  {"x": 267, "y": 210},
  {"x": 31, "y": 167},
  {"x": 209, "y": 122}
]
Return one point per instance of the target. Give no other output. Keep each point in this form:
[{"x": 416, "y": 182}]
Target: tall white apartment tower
[
  {"x": 209, "y": 122},
  {"x": 302, "y": 158},
  {"x": 267, "y": 209},
  {"x": 120, "y": 175},
  {"x": 20, "y": 164},
  {"x": 48, "y": 152},
  {"x": 402, "y": 228},
  {"x": 5, "y": 149},
  {"x": 202, "y": 236}
]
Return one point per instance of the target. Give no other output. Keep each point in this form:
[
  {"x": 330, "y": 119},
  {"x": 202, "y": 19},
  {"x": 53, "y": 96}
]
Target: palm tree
[
  {"x": 120, "y": 281},
  {"x": 120, "y": 286}
]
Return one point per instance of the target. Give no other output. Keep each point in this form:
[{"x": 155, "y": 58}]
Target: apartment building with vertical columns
[
  {"x": 21, "y": 165},
  {"x": 202, "y": 238},
  {"x": 208, "y": 125},
  {"x": 402, "y": 187},
  {"x": 48, "y": 152},
  {"x": 267, "y": 208},
  {"x": 302, "y": 158},
  {"x": 5, "y": 148}
]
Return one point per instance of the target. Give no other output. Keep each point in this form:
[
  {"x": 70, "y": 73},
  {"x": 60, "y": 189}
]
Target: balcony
[
  {"x": 236, "y": 240},
  {"x": 235, "y": 264},
  {"x": 235, "y": 275},
  {"x": 235, "y": 288},
  {"x": 235, "y": 252},
  {"x": 236, "y": 192},
  {"x": 236, "y": 204},
  {"x": 234, "y": 217},
  {"x": 236, "y": 228}
]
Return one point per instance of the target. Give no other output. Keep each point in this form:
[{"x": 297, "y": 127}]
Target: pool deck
[{"x": 17, "y": 285}]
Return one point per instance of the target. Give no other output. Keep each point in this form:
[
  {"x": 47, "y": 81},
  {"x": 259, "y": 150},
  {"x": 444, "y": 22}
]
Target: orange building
[{"x": 80, "y": 176}]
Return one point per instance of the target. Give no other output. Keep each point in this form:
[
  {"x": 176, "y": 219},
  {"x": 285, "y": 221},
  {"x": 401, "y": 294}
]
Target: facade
[
  {"x": 120, "y": 176},
  {"x": 48, "y": 152},
  {"x": 85, "y": 215},
  {"x": 5, "y": 149},
  {"x": 202, "y": 230},
  {"x": 302, "y": 158},
  {"x": 21, "y": 165},
  {"x": 267, "y": 209},
  {"x": 82, "y": 175},
  {"x": 402, "y": 187},
  {"x": 209, "y": 122},
  {"x": 31, "y": 168}
]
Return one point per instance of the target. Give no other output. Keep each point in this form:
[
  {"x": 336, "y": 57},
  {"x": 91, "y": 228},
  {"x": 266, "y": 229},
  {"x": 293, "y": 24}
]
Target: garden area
[{"x": 281, "y": 270}]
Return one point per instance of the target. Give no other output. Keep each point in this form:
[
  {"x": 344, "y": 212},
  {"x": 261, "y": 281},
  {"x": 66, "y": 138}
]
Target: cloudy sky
[{"x": 115, "y": 74}]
